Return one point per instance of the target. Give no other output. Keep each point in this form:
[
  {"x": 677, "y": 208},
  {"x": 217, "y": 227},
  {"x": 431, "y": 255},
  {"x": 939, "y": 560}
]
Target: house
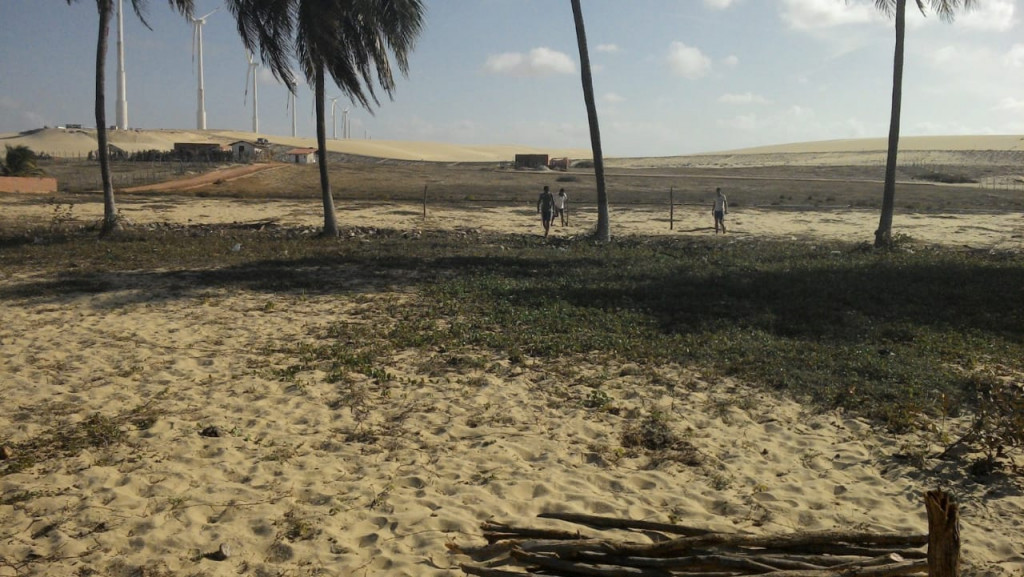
[
  {"x": 531, "y": 160},
  {"x": 302, "y": 155},
  {"x": 244, "y": 150}
]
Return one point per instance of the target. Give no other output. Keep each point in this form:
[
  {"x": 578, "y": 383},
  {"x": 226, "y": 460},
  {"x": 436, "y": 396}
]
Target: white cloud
[
  {"x": 731, "y": 61},
  {"x": 1011, "y": 103},
  {"x": 265, "y": 76},
  {"x": 813, "y": 14},
  {"x": 744, "y": 122},
  {"x": 746, "y": 98},
  {"x": 539, "y": 62},
  {"x": 718, "y": 4},
  {"x": 610, "y": 48},
  {"x": 687, "y": 61},
  {"x": 505, "y": 62},
  {"x": 1015, "y": 57},
  {"x": 613, "y": 98},
  {"x": 994, "y": 15}
]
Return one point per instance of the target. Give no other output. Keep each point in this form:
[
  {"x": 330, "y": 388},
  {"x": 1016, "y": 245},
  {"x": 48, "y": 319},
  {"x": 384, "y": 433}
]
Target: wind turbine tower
[
  {"x": 122, "y": 99},
  {"x": 344, "y": 124},
  {"x": 291, "y": 102},
  {"x": 334, "y": 103},
  {"x": 197, "y": 43},
  {"x": 253, "y": 65}
]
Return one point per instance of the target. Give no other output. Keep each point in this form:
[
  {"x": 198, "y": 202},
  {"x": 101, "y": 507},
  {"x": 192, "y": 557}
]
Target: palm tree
[
  {"x": 106, "y": 9},
  {"x": 351, "y": 41},
  {"x": 19, "y": 161},
  {"x": 603, "y": 232},
  {"x": 946, "y": 9}
]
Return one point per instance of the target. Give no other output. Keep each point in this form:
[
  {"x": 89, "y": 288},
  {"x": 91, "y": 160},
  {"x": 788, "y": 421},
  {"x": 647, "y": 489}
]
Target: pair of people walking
[{"x": 548, "y": 206}]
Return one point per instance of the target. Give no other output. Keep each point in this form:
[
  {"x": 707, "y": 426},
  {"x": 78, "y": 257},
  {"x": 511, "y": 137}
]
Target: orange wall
[{"x": 19, "y": 184}]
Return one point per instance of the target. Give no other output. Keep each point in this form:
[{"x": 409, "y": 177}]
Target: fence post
[
  {"x": 943, "y": 535},
  {"x": 671, "y": 208}
]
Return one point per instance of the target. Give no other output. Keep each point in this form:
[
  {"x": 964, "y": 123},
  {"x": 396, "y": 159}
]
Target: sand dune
[
  {"x": 78, "y": 143},
  {"x": 938, "y": 149}
]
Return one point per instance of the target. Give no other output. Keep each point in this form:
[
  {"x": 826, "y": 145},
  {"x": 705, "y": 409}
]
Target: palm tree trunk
[
  {"x": 110, "y": 223},
  {"x": 603, "y": 232},
  {"x": 883, "y": 236},
  {"x": 330, "y": 218}
]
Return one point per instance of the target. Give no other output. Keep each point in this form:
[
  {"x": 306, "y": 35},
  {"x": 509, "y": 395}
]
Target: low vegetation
[{"x": 903, "y": 337}]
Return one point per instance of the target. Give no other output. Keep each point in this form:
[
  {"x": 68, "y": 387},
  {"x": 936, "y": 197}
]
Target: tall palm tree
[
  {"x": 106, "y": 9},
  {"x": 19, "y": 161},
  {"x": 351, "y": 41},
  {"x": 603, "y": 232},
  {"x": 946, "y": 9}
]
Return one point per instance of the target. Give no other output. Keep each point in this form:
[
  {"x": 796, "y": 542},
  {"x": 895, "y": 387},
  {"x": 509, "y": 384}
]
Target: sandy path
[{"x": 226, "y": 174}]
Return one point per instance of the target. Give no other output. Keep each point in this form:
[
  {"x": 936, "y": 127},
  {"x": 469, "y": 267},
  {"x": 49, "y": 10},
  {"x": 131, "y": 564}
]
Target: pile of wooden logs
[{"x": 668, "y": 550}]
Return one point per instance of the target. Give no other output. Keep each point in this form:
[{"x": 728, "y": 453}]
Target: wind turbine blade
[{"x": 207, "y": 14}]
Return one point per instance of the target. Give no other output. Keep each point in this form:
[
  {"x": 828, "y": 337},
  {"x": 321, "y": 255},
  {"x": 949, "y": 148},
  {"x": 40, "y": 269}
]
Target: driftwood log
[{"x": 668, "y": 550}]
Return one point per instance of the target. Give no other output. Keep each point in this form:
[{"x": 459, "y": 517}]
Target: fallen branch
[
  {"x": 618, "y": 523},
  {"x": 791, "y": 541},
  {"x": 494, "y": 532}
]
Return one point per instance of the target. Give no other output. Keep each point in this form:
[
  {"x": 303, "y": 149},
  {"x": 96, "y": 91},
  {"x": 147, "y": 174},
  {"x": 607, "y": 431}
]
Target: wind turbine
[
  {"x": 122, "y": 98},
  {"x": 291, "y": 104},
  {"x": 253, "y": 65},
  {"x": 344, "y": 124},
  {"x": 334, "y": 102},
  {"x": 197, "y": 42}
]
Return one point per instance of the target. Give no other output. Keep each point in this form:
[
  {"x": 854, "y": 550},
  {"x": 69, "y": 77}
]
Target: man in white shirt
[
  {"x": 720, "y": 210},
  {"x": 560, "y": 205}
]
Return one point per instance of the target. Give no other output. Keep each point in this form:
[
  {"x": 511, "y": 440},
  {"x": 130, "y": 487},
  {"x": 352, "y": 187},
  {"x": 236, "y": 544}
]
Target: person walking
[
  {"x": 720, "y": 209},
  {"x": 562, "y": 206},
  {"x": 546, "y": 208}
]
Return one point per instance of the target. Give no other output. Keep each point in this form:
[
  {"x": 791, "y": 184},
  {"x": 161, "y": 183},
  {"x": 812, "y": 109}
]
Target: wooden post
[
  {"x": 424, "y": 201},
  {"x": 671, "y": 209},
  {"x": 943, "y": 535}
]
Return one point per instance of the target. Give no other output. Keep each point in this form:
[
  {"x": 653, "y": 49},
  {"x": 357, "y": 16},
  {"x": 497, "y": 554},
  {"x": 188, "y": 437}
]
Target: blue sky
[{"x": 672, "y": 76}]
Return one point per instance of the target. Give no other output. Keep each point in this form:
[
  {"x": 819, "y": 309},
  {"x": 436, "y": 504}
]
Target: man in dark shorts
[
  {"x": 720, "y": 210},
  {"x": 546, "y": 208}
]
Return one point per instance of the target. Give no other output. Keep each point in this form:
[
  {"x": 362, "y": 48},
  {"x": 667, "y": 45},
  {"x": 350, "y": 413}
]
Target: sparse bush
[
  {"x": 651, "y": 432},
  {"x": 999, "y": 423},
  {"x": 597, "y": 399}
]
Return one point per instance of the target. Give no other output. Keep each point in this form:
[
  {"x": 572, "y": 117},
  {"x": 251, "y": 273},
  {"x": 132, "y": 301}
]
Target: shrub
[{"x": 999, "y": 423}]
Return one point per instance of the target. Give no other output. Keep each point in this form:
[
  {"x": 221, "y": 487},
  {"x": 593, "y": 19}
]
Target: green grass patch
[{"x": 893, "y": 335}]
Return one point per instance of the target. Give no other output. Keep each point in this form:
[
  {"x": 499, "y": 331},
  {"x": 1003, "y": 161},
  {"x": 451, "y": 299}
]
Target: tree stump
[{"x": 943, "y": 535}]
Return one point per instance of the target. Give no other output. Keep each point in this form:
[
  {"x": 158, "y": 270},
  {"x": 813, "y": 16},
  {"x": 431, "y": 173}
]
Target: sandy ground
[
  {"x": 363, "y": 478},
  {"x": 313, "y": 478}
]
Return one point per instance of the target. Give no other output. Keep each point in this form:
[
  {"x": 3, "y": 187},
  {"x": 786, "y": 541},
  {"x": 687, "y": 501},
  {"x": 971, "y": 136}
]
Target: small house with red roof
[{"x": 301, "y": 156}]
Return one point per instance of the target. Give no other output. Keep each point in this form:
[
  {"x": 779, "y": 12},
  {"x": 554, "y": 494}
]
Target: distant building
[
  {"x": 302, "y": 155},
  {"x": 531, "y": 160},
  {"x": 115, "y": 152},
  {"x": 559, "y": 164},
  {"x": 245, "y": 151}
]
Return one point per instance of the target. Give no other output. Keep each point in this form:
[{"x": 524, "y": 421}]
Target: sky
[{"x": 671, "y": 76}]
